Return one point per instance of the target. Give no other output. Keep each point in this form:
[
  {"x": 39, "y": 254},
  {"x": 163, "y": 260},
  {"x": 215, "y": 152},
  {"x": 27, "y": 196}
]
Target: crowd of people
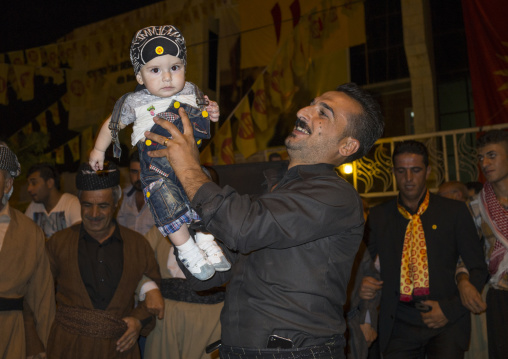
[{"x": 304, "y": 270}]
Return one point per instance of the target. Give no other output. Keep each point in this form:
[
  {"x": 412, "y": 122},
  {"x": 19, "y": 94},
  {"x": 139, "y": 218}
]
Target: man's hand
[
  {"x": 130, "y": 336},
  {"x": 369, "y": 333},
  {"x": 470, "y": 297},
  {"x": 181, "y": 153},
  {"x": 155, "y": 302},
  {"x": 435, "y": 318},
  {"x": 369, "y": 288}
]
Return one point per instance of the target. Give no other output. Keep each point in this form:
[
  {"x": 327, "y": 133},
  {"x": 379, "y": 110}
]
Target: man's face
[
  {"x": 5, "y": 186},
  {"x": 134, "y": 171},
  {"x": 319, "y": 128},
  {"x": 97, "y": 209},
  {"x": 163, "y": 76},
  {"x": 411, "y": 175},
  {"x": 493, "y": 160},
  {"x": 38, "y": 188}
]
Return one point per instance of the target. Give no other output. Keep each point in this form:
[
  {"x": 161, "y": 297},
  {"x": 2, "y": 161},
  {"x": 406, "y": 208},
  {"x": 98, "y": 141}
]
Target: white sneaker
[
  {"x": 212, "y": 251},
  {"x": 195, "y": 261}
]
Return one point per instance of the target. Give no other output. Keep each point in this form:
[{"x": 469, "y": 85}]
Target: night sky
[{"x": 25, "y": 23}]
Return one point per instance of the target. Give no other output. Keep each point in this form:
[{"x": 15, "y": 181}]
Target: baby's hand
[
  {"x": 213, "y": 110},
  {"x": 96, "y": 159}
]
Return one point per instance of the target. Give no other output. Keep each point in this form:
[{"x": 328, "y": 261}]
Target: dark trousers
[
  {"x": 497, "y": 323},
  {"x": 417, "y": 341}
]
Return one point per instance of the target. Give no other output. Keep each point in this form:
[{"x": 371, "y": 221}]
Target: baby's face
[{"x": 163, "y": 76}]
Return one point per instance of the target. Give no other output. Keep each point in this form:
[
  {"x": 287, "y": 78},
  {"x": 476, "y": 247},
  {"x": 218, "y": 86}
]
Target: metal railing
[{"x": 452, "y": 156}]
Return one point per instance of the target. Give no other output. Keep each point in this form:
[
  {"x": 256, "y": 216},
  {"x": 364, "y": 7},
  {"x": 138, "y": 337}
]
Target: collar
[
  {"x": 399, "y": 201},
  {"x": 84, "y": 235}
]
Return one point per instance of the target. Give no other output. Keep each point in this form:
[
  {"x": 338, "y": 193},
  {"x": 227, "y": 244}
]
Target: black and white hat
[
  {"x": 9, "y": 162},
  {"x": 154, "y": 41}
]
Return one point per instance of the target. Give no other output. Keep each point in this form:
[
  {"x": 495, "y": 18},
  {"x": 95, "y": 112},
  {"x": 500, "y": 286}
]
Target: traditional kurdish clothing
[
  {"x": 188, "y": 325},
  {"x": 491, "y": 220},
  {"x": 24, "y": 272},
  {"x": 138, "y": 260}
]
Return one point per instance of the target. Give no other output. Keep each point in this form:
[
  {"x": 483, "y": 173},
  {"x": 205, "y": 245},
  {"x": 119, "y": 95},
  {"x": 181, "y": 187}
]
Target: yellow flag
[
  {"x": 52, "y": 56},
  {"x": 223, "y": 142},
  {"x": 55, "y": 113},
  {"x": 259, "y": 104},
  {"x": 25, "y": 80},
  {"x": 27, "y": 129},
  {"x": 205, "y": 157},
  {"x": 4, "y": 71},
  {"x": 74, "y": 147},
  {"x": 245, "y": 140},
  {"x": 60, "y": 155},
  {"x": 41, "y": 120},
  {"x": 16, "y": 57},
  {"x": 33, "y": 57}
]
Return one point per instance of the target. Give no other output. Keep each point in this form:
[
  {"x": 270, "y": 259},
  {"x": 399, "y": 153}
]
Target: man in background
[
  {"x": 24, "y": 271},
  {"x": 50, "y": 209},
  {"x": 133, "y": 212}
]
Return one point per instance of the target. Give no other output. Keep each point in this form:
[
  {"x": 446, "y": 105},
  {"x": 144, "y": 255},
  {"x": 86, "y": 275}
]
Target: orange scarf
[{"x": 414, "y": 267}]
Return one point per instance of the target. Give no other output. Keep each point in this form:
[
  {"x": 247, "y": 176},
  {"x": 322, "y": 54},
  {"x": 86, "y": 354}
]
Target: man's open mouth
[{"x": 302, "y": 126}]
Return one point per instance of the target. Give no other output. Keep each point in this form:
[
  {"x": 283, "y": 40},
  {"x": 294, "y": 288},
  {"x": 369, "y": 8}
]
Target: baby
[{"x": 158, "y": 55}]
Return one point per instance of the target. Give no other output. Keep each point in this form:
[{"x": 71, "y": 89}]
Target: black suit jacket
[{"x": 449, "y": 232}]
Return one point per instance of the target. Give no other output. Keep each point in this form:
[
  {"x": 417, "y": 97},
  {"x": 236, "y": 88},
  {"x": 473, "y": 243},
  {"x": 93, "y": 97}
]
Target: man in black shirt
[{"x": 293, "y": 247}]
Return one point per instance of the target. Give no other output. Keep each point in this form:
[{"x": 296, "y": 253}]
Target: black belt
[
  {"x": 7, "y": 304},
  {"x": 180, "y": 290}
]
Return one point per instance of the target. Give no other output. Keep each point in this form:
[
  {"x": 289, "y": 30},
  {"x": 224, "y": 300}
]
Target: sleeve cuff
[{"x": 145, "y": 288}]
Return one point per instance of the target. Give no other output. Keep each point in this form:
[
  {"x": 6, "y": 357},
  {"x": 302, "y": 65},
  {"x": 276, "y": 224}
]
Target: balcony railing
[{"x": 452, "y": 156}]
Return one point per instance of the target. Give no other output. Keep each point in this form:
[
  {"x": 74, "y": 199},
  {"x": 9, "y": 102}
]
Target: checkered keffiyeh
[
  {"x": 154, "y": 41},
  {"x": 9, "y": 162}
]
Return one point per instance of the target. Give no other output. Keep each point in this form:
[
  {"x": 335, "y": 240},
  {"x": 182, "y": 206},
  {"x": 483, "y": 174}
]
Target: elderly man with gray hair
[{"x": 24, "y": 269}]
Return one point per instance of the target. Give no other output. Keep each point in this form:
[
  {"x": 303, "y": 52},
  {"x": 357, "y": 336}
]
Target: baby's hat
[{"x": 153, "y": 41}]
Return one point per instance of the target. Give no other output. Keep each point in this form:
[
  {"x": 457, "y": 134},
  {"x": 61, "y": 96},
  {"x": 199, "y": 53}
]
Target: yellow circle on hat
[
  {"x": 159, "y": 50},
  {"x": 147, "y": 194},
  {"x": 177, "y": 104},
  {"x": 148, "y": 142},
  {"x": 205, "y": 113}
]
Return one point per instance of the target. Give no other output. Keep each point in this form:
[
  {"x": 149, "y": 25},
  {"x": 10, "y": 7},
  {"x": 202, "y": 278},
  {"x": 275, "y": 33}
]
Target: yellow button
[
  {"x": 434, "y": 226},
  {"x": 159, "y": 50},
  {"x": 147, "y": 194},
  {"x": 148, "y": 142},
  {"x": 177, "y": 104},
  {"x": 204, "y": 113},
  {"x": 199, "y": 142}
]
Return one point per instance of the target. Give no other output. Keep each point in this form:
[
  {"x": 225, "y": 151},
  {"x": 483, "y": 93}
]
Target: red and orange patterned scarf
[{"x": 414, "y": 267}]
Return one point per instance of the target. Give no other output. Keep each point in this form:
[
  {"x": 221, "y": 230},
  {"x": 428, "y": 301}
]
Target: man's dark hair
[
  {"x": 134, "y": 157},
  {"x": 493, "y": 137},
  {"x": 475, "y": 185},
  {"x": 365, "y": 127},
  {"x": 411, "y": 146},
  {"x": 46, "y": 171}
]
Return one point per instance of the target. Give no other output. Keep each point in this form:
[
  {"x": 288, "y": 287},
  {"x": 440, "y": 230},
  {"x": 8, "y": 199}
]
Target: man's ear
[
  {"x": 348, "y": 146},
  {"x": 50, "y": 183},
  {"x": 139, "y": 79}
]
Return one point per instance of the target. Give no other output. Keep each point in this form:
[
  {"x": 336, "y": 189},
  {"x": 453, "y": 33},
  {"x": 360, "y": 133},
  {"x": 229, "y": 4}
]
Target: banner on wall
[{"x": 487, "y": 45}]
